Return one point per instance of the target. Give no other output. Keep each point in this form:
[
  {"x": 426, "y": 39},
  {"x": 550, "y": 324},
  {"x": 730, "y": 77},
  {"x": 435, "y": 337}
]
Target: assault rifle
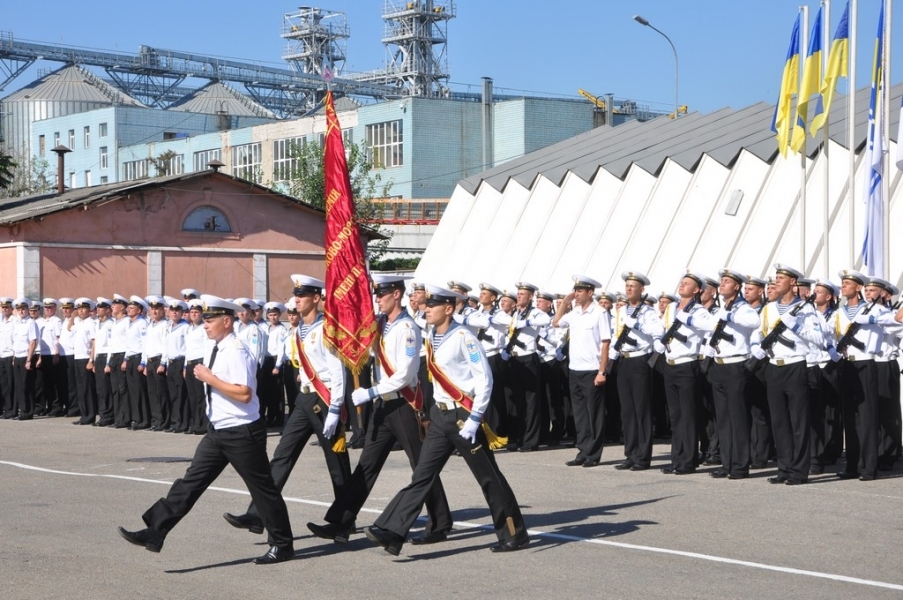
[
  {"x": 849, "y": 337},
  {"x": 673, "y": 333},
  {"x": 624, "y": 334},
  {"x": 776, "y": 336},
  {"x": 717, "y": 336}
]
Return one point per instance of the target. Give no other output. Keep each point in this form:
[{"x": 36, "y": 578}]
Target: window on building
[
  {"x": 72, "y": 180},
  {"x": 42, "y": 145},
  {"x": 347, "y": 137},
  {"x": 384, "y": 143},
  {"x": 72, "y": 139},
  {"x": 207, "y": 219},
  {"x": 104, "y": 179},
  {"x": 134, "y": 169},
  {"x": 104, "y": 160},
  {"x": 202, "y": 158},
  {"x": 102, "y": 130},
  {"x": 285, "y": 161},
  {"x": 174, "y": 165},
  {"x": 56, "y": 139},
  {"x": 87, "y": 137},
  {"x": 87, "y": 178},
  {"x": 246, "y": 162}
]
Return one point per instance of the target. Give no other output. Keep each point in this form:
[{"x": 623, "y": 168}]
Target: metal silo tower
[
  {"x": 316, "y": 40},
  {"x": 416, "y": 35}
]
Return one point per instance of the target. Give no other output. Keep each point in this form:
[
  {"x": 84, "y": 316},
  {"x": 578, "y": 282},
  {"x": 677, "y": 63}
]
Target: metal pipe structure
[{"x": 646, "y": 23}]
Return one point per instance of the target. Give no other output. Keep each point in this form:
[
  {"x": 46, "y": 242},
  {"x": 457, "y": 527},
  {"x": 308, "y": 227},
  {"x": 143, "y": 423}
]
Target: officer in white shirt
[
  {"x": 67, "y": 383},
  {"x": 462, "y": 386},
  {"x": 272, "y": 395},
  {"x": 50, "y": 326},
  {"x": 395, "y": 418},
  {"x": 136, "y": 331},
  {"x": 83, "y": 329},
  {"x": 247, "y": 330},
  {"x": 154, "y": 367},
  {"x": 888, "y": 370},
  {"x": 99, "y": 355},
  {"x": 289, "y": 359},
  {"x": 636, "y": 326},
  {"x": 196, "y": 343},
  {"x": 727, "y": 349},
  {"x": 826, "y": 411},
  {"x": 786, "y": 379},
  {"x": 172, "y": 363},
  {"x": 7, "y": 389},
  {"x": 319, "y": 407},
  {"x": 116, "y": 362},
  {"x": 589, "y": 332},
  {"x": 24, "y": 342},
  {"x": 236, "y": 437}
]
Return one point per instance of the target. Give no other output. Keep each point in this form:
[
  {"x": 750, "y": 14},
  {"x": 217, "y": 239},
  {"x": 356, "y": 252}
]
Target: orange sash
[
  {"x": 413, "y": 396},
  {"x": 311, "y": 374},
  {"x": 439, "y": 376}
]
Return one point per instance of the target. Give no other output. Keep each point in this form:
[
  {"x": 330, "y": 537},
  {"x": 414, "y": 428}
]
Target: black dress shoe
[
  {"x": 246, "y": 521},
  {"x": 24, "y": 418},
  {"x": 866, "y": 478},
  {"x": 77, "y": 422},
  {"x": 624, "y": 465},
  {"x": 667, "y": 469},
  {"x": 777, "y": 479},
  {"x": 104, "y": 423},
  {"x": 794, "y": 481},
  {"x": 120, "y": 426},
  {"x": 576, "y": 462},
  {"x": 510, "y": 545},
  {"x": 433, "y": 537},
  {"x": 140, "y": 426},
  {"x": 738, "y": 476},
  {"x": 816, "y": 470},
  {"x": 389, "y": 540},
  {"x": 527, "y": 449},
  {"x": 712, "y": 461},
  {"x": 718, "y": 474},
  {"x": 684, "y": 470},
  {"x": 276, "y": 554},
  {"x": 640, "y": 468},
  {"x": 758, "y": 466},
  {"x": 332, "y": 531},
  {"x": 847, "y": 475},
  {"x": 147, "y": 538},
  {"x": 511, "y": 447},
  {"x": 590, "y": 464}
]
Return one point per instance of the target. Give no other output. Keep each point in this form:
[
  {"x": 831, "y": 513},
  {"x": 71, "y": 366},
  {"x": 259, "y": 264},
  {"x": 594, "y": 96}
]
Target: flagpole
[
  {"x": 826, "y": 179},
  {"x": 803, "y": 51},
  {"x": 885, "y": 110},
  {"x": 851, "y": 127}
]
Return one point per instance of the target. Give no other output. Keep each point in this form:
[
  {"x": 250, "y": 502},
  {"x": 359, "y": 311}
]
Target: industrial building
[{"x": 700, "y": 192}]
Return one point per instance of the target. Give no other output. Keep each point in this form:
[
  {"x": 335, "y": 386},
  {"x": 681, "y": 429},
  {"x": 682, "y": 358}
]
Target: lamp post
[{"x": 646, "y": 23}]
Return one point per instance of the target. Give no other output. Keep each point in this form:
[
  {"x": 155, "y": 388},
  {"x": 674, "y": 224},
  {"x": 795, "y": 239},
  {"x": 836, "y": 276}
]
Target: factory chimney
[{"x": 60, "y": 168}]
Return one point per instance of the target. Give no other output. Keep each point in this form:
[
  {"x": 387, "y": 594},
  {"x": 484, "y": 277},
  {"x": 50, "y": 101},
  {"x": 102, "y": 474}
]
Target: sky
[{"x": 731, "y": 52}]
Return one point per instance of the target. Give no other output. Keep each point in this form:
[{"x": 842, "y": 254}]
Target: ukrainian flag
[
  {"x": 809, "y": 85},
  {"x": 838, "y": 66},
  {"x": 780, "y": 123}
]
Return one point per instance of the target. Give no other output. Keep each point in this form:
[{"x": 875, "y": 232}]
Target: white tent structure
[{"x": 701, "y": 192}]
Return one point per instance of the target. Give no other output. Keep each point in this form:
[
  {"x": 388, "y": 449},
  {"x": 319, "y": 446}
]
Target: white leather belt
[
  {"x": 682, "y": 360},
  {"x": 637, "y": 353},
  {"x": 783, "y": 362},
  {"x": 729, "y": 360},
  {"x": 518, "y": 353},
  {"x": 860, "y": 358}
]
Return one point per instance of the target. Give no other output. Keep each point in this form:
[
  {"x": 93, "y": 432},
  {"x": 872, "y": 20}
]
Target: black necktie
[{"x": 209, "y": 389}]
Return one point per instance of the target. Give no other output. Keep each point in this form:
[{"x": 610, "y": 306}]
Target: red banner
[{"x": 350, "y": 327}]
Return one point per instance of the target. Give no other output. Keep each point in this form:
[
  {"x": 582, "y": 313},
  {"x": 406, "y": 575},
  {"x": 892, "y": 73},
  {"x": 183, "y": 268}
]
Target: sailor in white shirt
[
  {"x": 289, "y": 360},
  {"x": 637, "y": 326},
  {"x": 462, "y": 308},
  {"x": 318, "y": 408},
  {"x": 786, "y": 378},
  {"x": 24, "y": 342},
  {"x": 196, "y": 344},
  {"x": 589, "y": 332},
  {"x": 67, "y": 381},
  {"x": 136, "y": 331},
  {"x": 116, "y": 362},
  {"x": 50, "y": 327},
  {"x": 154, "y": 367},
  {"x": 553, "y": 413},
  {"x": 272, "y": 395},
  {"x": 416, "y": 307},
  {"x": 172, "y": 363},
  {"x": 889, "y": 420},
  {"x": 236, "y": 437},
  {"x": 248, "y": 332},
  {"x": 83, "y": 329},
  {"x": 99, "y": 355},
  {"x": 462, "y": 387},
  {"x": 7, "y": 390}
]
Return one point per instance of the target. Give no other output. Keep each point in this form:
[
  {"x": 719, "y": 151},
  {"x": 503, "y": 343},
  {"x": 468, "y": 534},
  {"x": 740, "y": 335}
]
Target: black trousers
[
  {"x": 85, "y": 390},
  {"x": 102, "y": 383},
  {"x": 48, "y": 382},
  {"x": 588, "y": 403},
  {"x": 523, "y": 374},
  {"x": 290, "y": 384},
  {"x": 635, "y": 392},
  {"x": 40, "y": 402},
  {"x": 179, "y": 417},
  {"x": 137, "y": 386},
  {"x": 788, "y": 401},
  {"x": 860, "y": 416},
  {"x": 496, "y": 414},
  {"x": 682, "y": 392},
  {"x": 706, "y": 423},
  {"x": 71, "y": 386},
  {"x": 61, "y": 377},
  {"x": 661, "y": 420},
  {"x": 119, "y": 391},
  {"x": 826, "y": 413},
  {"x": 552, "y": 426},
  {"x": 732, "y": 415},
  {"x": 307, "y": 420},
  {"x": 23, "y": 385},
  {"x": 761, "y": 440},
  {"x": 564, "y": 387},
  {"x": 889, "y": 424},
  {"x": 197, "y": 400},
  {"x": 245, "y": 448},
  {"x": 441, "y": 439},
  {"x": 391, "y": 421},
  {"x": 269, "y": 391},
  {"x": 7, "y": 387},
  {"x": 157, "y": 394},
  {"x": 426, "y": 386}
]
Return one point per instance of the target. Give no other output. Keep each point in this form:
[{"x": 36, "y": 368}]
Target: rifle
[
  {"x": 624, "y": 334},
  {"x": 717, "y": 336},
  {"x": 848, "y": 339},
  {"x": 512, "y": 333},
  {"x": 672, "y": 333},
  {"x": 776, "y": 336}
]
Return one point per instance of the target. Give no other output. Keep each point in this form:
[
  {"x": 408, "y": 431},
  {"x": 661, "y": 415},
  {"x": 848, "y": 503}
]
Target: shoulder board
[{"x": 237, "y": 343}]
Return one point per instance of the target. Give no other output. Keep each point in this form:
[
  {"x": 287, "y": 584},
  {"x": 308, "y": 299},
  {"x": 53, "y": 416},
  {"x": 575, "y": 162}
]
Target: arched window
[{"x": 207, "y": 219}]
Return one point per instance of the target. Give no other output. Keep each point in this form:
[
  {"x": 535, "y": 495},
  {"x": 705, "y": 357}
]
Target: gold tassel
[
  {"x": 495, "y": 441},
  {"x": 339, "y": 446}
]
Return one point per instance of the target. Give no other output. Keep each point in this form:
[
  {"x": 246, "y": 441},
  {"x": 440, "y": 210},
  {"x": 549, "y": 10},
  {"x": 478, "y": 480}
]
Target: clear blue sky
[{"x": 731, "y": 51}]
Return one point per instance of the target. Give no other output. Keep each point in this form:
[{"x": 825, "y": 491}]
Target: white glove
[
  {"x": 520, "y": 323},
  {"x": 469, "y": 430},
  {"x": 683, "y": 316},
  {"x": 722, "y": 315},
  {"x": 864, "y": 320},
  {"x": 833, "y": 353},
  {"x": 360, "y": 396},
  {"x": 559, "y": 355},
  {"x": 658, "y": 346},
  {"x": 758, "y": 352},
  {"x": 613, "y": 354},
  {"x": 330, "y": 425},
  {"x": 707, "y": 351},
  {"x": 629, "y": 322},
  {"x": 790, "y": 320},
  {"x": 505, "y": 355}
]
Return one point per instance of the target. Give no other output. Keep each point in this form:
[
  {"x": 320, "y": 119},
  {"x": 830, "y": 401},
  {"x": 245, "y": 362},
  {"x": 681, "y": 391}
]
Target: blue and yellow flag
[
  {"x": 809, "y": 84},
  {"x": 838, "y": 66},
  {"x": 780, "y": 123}
]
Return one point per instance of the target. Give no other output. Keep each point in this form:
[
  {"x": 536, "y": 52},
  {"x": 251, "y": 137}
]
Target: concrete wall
[{"x": 8, "y": 271}]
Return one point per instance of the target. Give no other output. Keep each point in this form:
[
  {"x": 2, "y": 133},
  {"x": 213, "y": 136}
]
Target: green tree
[
  {"x": 21, "y": 175},
  {"x": 7, "y": 165},
  {"x": 304, "y": 179}
]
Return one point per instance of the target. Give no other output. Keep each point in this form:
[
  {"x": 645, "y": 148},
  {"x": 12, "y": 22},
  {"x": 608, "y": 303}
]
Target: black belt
[{"x": 195, "y": 361}]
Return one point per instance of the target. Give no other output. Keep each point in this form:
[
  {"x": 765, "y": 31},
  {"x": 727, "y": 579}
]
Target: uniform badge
[
  {"x": 472, "y": 351},
  {"x": 410, "y": 345}
]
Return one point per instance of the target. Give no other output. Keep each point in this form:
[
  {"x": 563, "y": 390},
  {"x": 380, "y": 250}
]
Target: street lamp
[{"x": 646, "y": 23}]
